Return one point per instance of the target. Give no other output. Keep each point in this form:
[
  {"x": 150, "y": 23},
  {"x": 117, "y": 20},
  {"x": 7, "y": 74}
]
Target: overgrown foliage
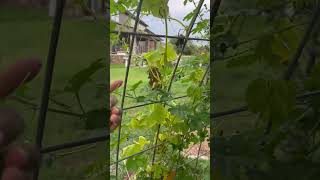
[
  {"x": 284, "y": 143},
  {"x": 183, "y": 122}
]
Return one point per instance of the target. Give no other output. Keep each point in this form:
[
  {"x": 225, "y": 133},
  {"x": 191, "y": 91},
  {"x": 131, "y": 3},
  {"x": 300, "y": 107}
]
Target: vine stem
[
  {"x": 165, "y": 61},
  {"x": 198, "y": 154},
  {"x": 200, "y": 84},
  {"x": 174, "y": 19},
  {"x": 79, "y": 102},
  {"x": 126, "y": 81},
  {"x": 308, "y": 33},
  {"x": 36, "y": 107},
  {"x": 177, "y": 64},
  {"x": 295, "y": 60},
  {"x": 76, "y": 151}
]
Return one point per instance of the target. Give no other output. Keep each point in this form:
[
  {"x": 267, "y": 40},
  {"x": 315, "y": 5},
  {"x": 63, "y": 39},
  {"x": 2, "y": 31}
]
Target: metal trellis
[{"x": 51, "y": 61}]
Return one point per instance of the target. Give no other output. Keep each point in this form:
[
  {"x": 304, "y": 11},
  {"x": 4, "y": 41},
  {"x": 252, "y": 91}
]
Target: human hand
[
  {"x": 115, "y": 116},
  {"x": 19, "y": 161}
]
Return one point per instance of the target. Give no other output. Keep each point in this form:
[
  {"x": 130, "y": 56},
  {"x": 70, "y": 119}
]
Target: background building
[{"x": 124, "y": 23}]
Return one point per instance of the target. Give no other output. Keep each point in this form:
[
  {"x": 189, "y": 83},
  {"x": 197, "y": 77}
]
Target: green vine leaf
[
  {"x": 22, "y": 90},
  {"x": 156, "y": 115},
  {"x": 242, "y": 61},
  {"x": 96, "y": 119},
  {"x": 194, "y": 92},
  {"x": 284, "y": 45},
  {"x": 135, "y": 85},
  {"x": 267, "y": 4},
  {"x": 274, "y": 99},
  {"x": 189, "y": 16},
  {"x": 135, "y": 162},
  {"x": 201, "y": 26},
  {"x": 141, "y": 99},
  {"x": 156, "y": 59},
  {"x": 197, "y": 121},
  {"x": 158, "y": 170},
  {"x": 84, "y": 76},
  {"x": 195, "y": 76},
  {"x": 134, "y": 148},
  {"x": 263, "y": 51},
  {"x": 158, "y": 8}
]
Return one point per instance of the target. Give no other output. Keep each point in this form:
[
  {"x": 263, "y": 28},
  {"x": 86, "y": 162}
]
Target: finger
[
  {"x": 115, "y": 85},
  {"x": 116, "y": 111},
  {"x": 16, "y": 74},
  {"x": 11, "y": 125},
  {"x": 14, "y": 174},
  {"x": 113, "y": 101},
  {"x": 115, "y": 121},
  {"x": 24, "y": 157}
]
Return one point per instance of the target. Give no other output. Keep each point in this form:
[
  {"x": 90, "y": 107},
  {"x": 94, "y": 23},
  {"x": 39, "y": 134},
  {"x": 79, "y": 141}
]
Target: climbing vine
[
  {"x": 183, "y": 122},
  {"x": 284, "y": 142}
]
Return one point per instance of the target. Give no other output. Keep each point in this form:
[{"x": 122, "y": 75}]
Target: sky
[{"x": 178, "y": 11}]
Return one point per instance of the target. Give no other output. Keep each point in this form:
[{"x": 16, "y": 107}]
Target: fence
[{"x": 51, "y": 61}]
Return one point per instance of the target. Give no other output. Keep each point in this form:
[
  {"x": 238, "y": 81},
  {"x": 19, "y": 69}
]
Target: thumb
[{"x": 115, "y": 85}]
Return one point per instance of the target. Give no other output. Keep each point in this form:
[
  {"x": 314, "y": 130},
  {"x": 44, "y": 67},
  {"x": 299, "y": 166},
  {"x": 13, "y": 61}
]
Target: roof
[
  {"x": 134, "y": 17},
  {"x": 150, "y": 32},
  {"x": 147, "y": 31}
]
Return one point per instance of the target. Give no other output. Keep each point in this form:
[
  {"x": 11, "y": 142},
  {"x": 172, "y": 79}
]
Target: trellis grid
[
  {"x": 214, "y": 7},
  {"x": 133, "y": 34}
]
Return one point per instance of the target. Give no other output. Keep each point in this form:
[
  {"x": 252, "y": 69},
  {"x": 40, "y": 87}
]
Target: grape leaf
[
  {"x": 135, "y": 162},
  {"x": 135, "y": 85},
  {"x": 156, "y": 59},
  {"x": 274, "y": 99},
  {"x": 134, "y": 148},
  {"x": 83, "y": 76},
  {"x": 96, "y": 119},
  {"x": 158, "y": 8},
  {"x": 194, "y": 92},
  {"x": 242, "y": 61}
]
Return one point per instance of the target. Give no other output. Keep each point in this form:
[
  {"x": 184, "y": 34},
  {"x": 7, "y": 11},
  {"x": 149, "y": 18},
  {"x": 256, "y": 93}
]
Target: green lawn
[
  {"x": 26, "y": 33},
  {"x": 117, "y": 72}
]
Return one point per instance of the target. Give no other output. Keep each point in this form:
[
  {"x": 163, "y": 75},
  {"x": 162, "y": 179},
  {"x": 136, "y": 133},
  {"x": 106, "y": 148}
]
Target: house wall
[
  {"x": 117, "y": 59},
  {"x": 142, "y": 48},
  {"x": 152, "y": 45}
]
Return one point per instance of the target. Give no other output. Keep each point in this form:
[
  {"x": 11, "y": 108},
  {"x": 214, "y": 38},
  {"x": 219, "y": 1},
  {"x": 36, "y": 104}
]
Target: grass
[
  {"x": 229, "y": 84},
  {"x": 203, "y": 167},
  {"x": 117, "y": 72},
  {"x": 136, "y": 74},
  {"x": 26, "y": 33}
]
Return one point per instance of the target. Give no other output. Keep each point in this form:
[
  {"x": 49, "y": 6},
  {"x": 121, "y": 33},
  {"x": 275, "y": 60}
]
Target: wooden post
[
  {"x": 52, "y": 7},
  {"x": 93, "y": 5},
  {"x": 135, "y": 45}
]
